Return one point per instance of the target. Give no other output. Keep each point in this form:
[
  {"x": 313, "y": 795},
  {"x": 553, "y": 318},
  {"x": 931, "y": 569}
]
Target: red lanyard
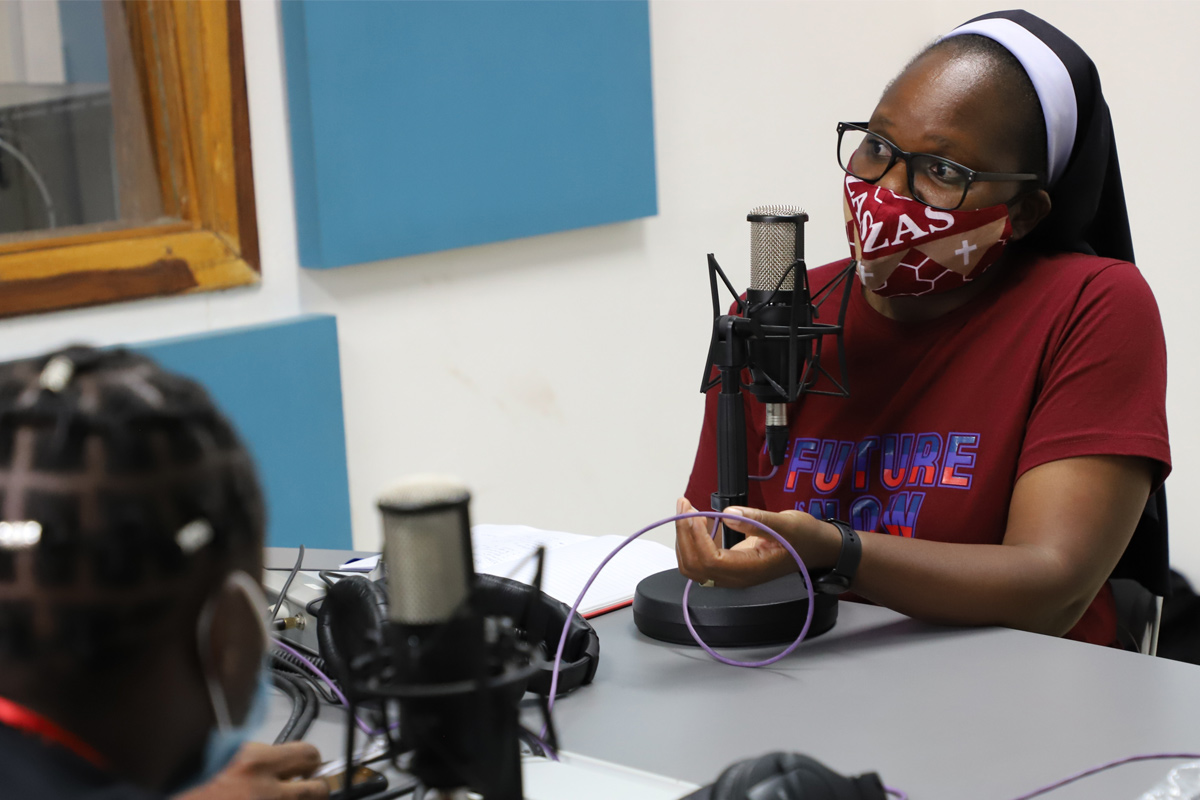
[{"x": 28, "y": 721}]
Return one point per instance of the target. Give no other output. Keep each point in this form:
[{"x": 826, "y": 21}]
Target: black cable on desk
[
  {"x": 285, "y": 685},
  {"x": 304, "y": 710},
  {"x": 311, "y": 707},
  {"x": 286, "y": 662},
  {"x": 308, "y": 652}
]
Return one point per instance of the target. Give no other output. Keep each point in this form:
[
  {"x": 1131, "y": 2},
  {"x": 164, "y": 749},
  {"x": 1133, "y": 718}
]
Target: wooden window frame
[{"x": 188, "y": 59}]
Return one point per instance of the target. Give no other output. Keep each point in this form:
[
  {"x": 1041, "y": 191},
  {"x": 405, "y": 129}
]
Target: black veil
[
  {"x": 1088, "y": 212},
  {"x": 1088, "y": 215}
]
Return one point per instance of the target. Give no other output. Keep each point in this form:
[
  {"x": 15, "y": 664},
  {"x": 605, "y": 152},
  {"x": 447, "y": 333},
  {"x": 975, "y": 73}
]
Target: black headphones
[
  {"x": 353, "y": 615},
  {"x": 789, "y": 776}
]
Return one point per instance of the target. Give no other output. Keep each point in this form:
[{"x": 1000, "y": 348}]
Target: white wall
[
  {"x": 559, "y": 375},
  {"x": 31, "y": 49}
]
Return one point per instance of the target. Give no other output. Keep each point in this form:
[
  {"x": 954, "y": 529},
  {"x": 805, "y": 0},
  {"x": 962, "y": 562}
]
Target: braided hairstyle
[{"x": 124, "y": 496}]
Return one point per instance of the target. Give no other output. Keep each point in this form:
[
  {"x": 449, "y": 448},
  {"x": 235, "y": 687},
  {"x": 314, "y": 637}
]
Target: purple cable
[
  {"x": 547, "y": 749},
  {"x": 1102, "y": 767},
  {"x": 363, "y": 726},
  {"x": 562, "y": 640},
  {"x": 687, "y": 616}
]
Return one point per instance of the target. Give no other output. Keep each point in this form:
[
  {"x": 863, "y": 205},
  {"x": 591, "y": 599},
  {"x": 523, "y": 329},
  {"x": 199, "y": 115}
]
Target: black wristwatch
[{"x": 839, "y": 579}]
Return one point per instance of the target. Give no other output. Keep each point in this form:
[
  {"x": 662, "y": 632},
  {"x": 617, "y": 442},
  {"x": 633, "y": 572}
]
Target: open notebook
[{"x": 507, "y": 550}]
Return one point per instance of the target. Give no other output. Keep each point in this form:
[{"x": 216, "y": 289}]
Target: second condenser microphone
[
  {"x": 435, "y": 641},
  {"x": 778, "y": 302},
  {"x": 427, "y": 549}
]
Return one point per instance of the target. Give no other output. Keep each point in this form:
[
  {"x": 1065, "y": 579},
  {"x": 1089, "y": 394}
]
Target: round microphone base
[{"x": 768, "y": 614}]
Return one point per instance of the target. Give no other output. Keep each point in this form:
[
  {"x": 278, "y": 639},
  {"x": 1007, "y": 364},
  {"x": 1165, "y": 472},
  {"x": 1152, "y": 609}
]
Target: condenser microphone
[
  {"x": 774, "y": 334},
  {"x": 435, "y": 640},
  {"x": 427, "y": 549},
  {"x": 778, "y": 299}
]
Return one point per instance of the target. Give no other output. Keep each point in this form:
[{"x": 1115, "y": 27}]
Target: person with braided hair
[{"x": 132, "y": 628}]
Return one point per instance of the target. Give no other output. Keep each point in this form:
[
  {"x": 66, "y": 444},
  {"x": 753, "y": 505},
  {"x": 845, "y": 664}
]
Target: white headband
[{"x": 1050, "y": 80}]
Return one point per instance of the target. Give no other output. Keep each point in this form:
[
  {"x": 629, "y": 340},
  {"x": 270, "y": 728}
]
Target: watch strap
[{"x": 839, "y": 579}]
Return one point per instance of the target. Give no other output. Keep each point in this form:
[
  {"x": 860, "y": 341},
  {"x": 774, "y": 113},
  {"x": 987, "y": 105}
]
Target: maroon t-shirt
[{"x": 1062, "y": 356}]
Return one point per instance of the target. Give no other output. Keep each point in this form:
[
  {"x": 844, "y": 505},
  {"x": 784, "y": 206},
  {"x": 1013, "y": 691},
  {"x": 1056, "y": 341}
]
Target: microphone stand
[
  {"x": 735, "y": 340},
  {"x": 730, "y": 357},
  {"x": 772, "y": 612},
  {"x": 461, "y": 734}
]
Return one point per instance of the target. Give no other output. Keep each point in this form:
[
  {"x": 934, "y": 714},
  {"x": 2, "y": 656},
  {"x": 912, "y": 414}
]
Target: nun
[{"x": 1002, "y": 452}]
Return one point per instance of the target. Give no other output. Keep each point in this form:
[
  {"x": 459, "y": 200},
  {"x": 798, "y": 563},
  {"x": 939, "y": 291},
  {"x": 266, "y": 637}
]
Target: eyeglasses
[{"x": 933, "y": 180}]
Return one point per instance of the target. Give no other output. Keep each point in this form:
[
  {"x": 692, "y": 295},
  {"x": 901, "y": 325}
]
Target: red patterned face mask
[{"x": 906, "y": 248}]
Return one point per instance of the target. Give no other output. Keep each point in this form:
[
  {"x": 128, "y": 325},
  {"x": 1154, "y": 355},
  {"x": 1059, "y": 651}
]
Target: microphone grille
[
  {"x": 421, "y": 491},
  {"x": 426, "y": 548},
  {"x": 774, "y": 210},
  {"x": 773, "y": 232}
]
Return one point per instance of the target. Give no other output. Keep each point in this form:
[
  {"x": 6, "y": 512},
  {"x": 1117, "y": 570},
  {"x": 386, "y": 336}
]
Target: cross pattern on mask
[
  {"x": 907, "y": 248},
  {"x": 965, "y": 251}
]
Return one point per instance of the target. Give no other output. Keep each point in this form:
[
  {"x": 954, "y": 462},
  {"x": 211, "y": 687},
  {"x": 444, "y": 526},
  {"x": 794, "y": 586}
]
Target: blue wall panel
[
  {"x": 85, "y": 53},
  {"x": 422, "y": 126},
  {"x": 280, "y": 384}
]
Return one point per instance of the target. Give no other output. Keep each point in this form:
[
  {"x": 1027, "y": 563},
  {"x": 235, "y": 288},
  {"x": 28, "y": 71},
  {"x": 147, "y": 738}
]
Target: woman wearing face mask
[
  {"x": 1007, "y": 365},
  {"x": 132, "y": 628}
]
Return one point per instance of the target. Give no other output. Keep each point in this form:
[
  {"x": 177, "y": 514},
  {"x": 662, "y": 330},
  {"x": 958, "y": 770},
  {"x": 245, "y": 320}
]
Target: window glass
[{"x": 75, "y": 149}]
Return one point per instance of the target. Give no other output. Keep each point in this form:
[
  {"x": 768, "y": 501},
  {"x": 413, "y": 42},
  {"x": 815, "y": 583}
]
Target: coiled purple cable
[
  {"x": 562, "y": 641},
  {"x": 717, "y": 515}
]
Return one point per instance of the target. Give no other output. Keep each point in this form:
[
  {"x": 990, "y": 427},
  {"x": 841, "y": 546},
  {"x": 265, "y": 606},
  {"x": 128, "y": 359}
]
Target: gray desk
[{"x": 944, "y": 714}]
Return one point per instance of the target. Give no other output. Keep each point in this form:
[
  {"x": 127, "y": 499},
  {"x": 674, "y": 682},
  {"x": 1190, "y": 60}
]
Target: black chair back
[{"x": 1147, "y": 558}]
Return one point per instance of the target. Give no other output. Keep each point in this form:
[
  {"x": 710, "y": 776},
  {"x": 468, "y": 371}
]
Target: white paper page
[
  {"x": 570, "y": 560},
  {"x": 498, "y": 549},
  {"x": 495, "y": 547},
  {"x": 360, "y": 564},
  {"x": 568, "y": 568}
]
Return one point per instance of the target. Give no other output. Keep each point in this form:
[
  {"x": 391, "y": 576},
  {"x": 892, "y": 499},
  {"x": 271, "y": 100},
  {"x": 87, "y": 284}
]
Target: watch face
[{"x": 832, "y": 584}]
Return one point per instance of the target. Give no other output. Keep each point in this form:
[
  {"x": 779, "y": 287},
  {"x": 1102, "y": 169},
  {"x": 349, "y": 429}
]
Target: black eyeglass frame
[{"x": 907, "y": 157}]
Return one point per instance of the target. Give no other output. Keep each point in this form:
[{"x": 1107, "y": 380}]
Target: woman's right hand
[{"x": 758, "y": 558}]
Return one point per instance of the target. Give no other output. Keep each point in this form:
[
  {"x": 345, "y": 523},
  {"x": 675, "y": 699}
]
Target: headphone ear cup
[
  {"x": 738, "y": 779},
  {"x": 545, "y": 618},
  {"x": 794, "y": 777},
  {"x": 581, "y": 652},
  {"x": 350, "y": 624}
]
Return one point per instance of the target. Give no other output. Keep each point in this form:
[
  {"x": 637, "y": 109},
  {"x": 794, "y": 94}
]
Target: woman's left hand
[{"x": 759, "y": 558}]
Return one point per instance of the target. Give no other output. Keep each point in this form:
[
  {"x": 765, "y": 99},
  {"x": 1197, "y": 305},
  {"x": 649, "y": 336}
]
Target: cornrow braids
[{"x": 121, "y": 487}]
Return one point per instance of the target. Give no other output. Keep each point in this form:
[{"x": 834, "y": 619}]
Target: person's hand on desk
[
  {"x": 759, "y": 558},
  {"x": 266, "y": 772}
]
